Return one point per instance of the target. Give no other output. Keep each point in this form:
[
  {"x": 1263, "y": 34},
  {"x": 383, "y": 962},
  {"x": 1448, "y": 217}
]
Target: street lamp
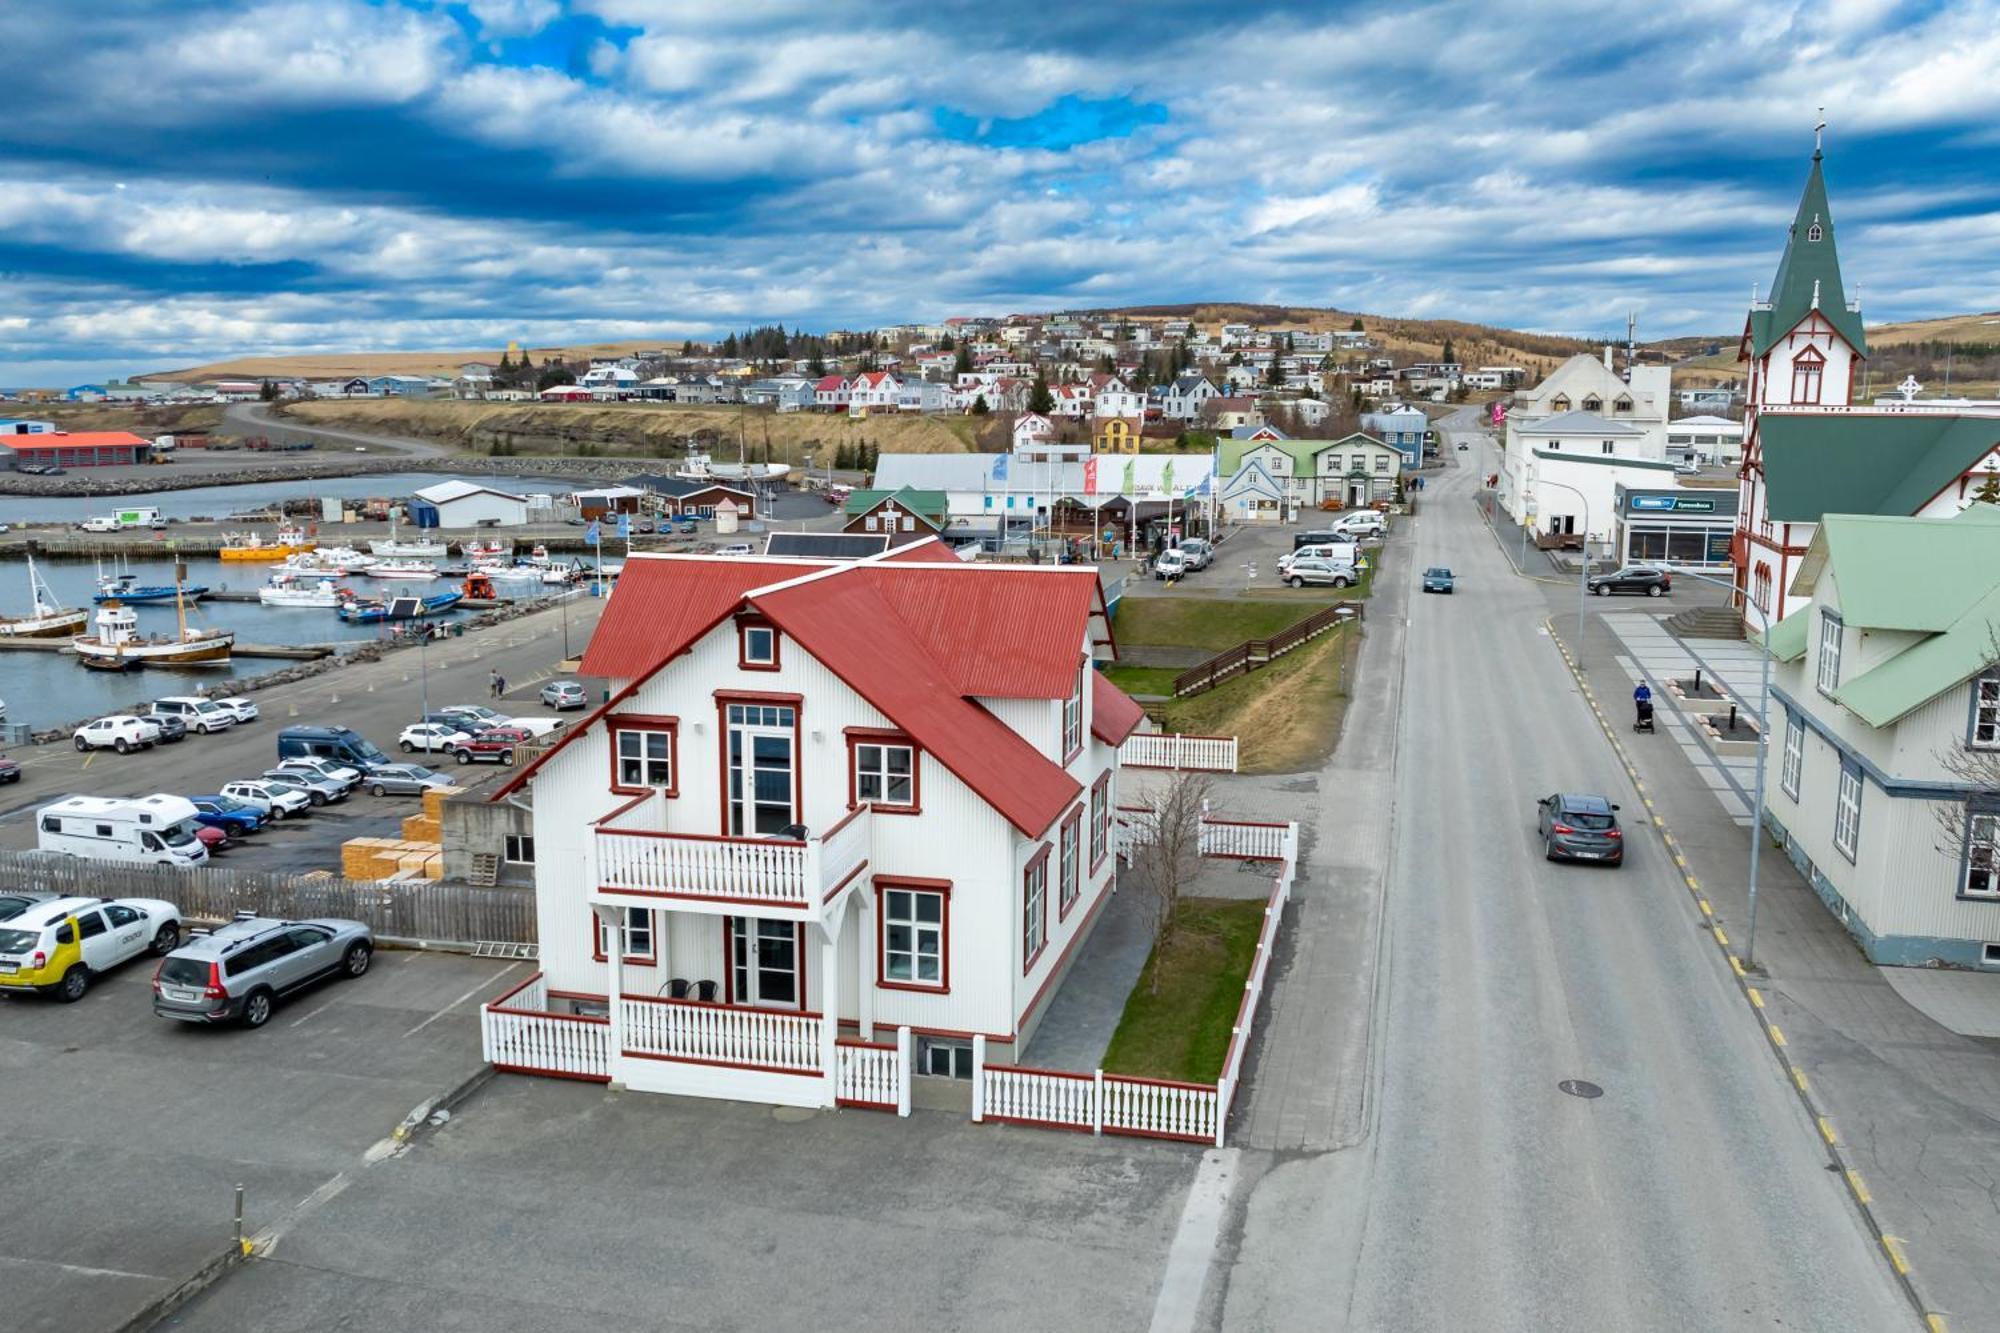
[
  {"x": 1583, "y": 565},
  {"x": 1763, "y": 750}
]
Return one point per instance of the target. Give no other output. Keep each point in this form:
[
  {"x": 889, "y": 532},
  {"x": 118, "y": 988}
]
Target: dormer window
[
  {"x": 1813, "y": 232},
  {"x": 756, "y": 645},
  {"x": 1808, "y": 370},
  {"x": 1593, "y": 404},
  {"x": 1559, "y": 403},
  {"x": 1622, "y": 405}
]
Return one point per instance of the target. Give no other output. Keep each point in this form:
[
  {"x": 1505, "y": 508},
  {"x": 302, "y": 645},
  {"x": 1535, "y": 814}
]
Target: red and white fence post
[
  {"x": 1097, "y": 1102},
  {"x": 978, "y": 1078},
  {"x": 903, "y": 1070}
]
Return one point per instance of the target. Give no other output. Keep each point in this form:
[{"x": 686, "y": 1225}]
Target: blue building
[{"x": 1403, "y": 428}]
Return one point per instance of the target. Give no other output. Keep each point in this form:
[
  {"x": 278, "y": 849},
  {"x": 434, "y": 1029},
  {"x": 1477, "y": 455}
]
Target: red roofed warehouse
[
  {"x": 66, "y": 449},
  {"x": 821, "y": 796}
]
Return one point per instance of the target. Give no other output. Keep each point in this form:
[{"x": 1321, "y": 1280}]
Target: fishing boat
[
  {"x": 539, "y": 555},
  {"x": 558, "y": 574},
  {"x": 118, "y": 639},
  {"x": 127, "y": 589},
  {"x": 46, "y": 617},
  {"x": 401, "y": 569},
  {"x": 489, "y": 550},
  {"x": 289, "y": 541},
  {"x": 368, "y": 611},
  {"x": 393, "y": 548},
  {"x": 500, "y": 573},
  {"x": 329, "y": 561},
  {"x": 321, "y": 594}
]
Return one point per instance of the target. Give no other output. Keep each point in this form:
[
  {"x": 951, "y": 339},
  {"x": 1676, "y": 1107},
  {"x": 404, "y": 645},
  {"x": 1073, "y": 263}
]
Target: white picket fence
[
  {"x": 723, "y": 1034},
  {"x": 514, "y": 1034},
  {"x": 1203, "y": 754},
  {"x": 873, "y": 1074},
  {"x": 1245, "y": 840},
  {"x": 1253, "y": 985}
]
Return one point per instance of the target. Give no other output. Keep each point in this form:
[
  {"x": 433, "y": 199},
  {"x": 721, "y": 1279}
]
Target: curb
[
  {"x": 419, "y": 1117},
  {"x": 1513, "y": 568},
  {"x": 204, "y": 1277},
  {"x": 1892, "y": 1246}
]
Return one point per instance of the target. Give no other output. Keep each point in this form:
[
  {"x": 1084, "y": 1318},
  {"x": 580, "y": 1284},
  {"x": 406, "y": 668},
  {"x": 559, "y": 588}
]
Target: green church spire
[{"x": 1808, "y": 273}]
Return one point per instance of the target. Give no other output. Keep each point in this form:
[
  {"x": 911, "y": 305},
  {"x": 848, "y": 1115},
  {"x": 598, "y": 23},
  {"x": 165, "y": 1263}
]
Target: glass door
[
  {"x": 764, "y": 960},
  {"x": 762, "y": 781}
]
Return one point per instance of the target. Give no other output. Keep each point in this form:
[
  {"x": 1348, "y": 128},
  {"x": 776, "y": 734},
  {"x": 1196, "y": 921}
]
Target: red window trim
[
  {"x": 795, "y": 702},
  {"x": 597, "y": 929},
  {"x": 911, "y": 883},
  {"x": 1074, "y": 819},
  {"x": 1101, "y": 792},
  {"x": 618, "y": 722},
  {"x": 859, "y": 736},
  {"x": 745, "y": 623},
  {"x": 1038, "y": 862},
  {"x": 729, "y": 965}
]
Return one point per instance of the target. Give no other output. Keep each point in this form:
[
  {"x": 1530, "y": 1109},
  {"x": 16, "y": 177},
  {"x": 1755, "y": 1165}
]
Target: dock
[{"x": 307, "y": 652}]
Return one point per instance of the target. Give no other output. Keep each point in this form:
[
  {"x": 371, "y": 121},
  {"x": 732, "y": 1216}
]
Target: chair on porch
[
  {"x": 706, "y": 991},
  {"x": 676, "y": 989}
]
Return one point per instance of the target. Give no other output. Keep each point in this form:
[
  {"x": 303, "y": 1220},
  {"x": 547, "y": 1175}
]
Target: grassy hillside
[
  {"x": 636, "y": 430},
  {"x": 1949, "y": 329},
  {"x": 146, "y": 421},
  {"x": 337, "y": 365}
]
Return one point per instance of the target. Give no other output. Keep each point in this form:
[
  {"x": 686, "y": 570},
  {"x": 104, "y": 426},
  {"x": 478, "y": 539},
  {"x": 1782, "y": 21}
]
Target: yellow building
[{"x": 1116, "y": 435}]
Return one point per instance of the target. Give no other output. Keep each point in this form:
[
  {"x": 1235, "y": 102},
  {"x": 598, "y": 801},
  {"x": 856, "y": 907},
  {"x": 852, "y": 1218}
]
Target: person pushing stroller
[{"x": 1642, "y": 706}]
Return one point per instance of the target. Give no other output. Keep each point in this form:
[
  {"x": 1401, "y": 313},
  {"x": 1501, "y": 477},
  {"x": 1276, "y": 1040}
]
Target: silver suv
[{"x": 237, "y": 973}]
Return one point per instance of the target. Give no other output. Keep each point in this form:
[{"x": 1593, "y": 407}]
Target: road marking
[
  {"x": 461, "y": 999},
  {"x": 1179, "y": 1301},
  {"x": 267, "y": 1240},
  {"x": 1721, "y": 938},
  {"x": 1777, "y": 1036},
  {"x": 1756, "y": 996},
  {"x": 1737, "y": 963},
  {"x": 1706, "y": 910},
  {"x": 1826, "y": 1131},
  {"x": 1799, "y": 1077},
  {"x": 1935, "y": 1323},
  {"x": 1894, "y": 1246},
  {"x": 81, "y": 1270},
  {"x": 1861, "y": 1194}
]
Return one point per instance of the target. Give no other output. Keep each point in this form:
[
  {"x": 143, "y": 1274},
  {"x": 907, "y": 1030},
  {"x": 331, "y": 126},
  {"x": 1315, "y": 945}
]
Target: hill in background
[{"x": 340, "y": 365}]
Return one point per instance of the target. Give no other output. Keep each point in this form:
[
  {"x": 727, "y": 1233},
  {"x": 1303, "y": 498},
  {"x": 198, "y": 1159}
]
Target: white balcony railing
[
  {"x": 1205, "y": 754},
  {"x": 723, "y": 1034},
  {"x": 765, "y": 872}
]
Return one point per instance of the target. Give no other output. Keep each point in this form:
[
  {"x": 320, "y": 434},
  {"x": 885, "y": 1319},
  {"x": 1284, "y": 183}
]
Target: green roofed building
[
  {"x": 905, "y": 514},
  {"x": 1883, "y": 768}
]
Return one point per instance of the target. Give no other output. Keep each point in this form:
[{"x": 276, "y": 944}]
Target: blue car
[{"x": 232, "y": 816}]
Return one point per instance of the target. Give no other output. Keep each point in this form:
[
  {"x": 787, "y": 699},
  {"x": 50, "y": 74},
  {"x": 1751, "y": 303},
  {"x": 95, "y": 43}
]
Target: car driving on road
[
  {"x": 1437, "y": 579},
  {"x": 238, "y": 972},
  {"x": 1576, "y": 827},
  {"x": 1642, "y": 579}
]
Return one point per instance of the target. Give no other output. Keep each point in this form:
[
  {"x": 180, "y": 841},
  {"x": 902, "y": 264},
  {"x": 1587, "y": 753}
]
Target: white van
[{"x": 159, "y": 830}]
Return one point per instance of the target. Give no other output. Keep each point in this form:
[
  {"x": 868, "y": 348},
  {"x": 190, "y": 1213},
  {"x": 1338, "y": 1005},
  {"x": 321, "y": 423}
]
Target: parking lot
[
  {"x": 127, "y": 1133},
  {"x": 1245, "y": 561}
]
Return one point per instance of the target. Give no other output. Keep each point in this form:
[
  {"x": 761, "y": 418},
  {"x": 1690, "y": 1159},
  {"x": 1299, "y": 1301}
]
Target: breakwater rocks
[
  {"x": 169, "y": 478},
  {"x": 373, "y": 650}
]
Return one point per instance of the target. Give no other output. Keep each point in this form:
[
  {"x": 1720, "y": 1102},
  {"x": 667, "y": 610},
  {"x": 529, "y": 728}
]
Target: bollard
[
  {"x": 1732, "y": 717},
  {"x": 1697, "y": 680},
  {"x": 240, "y": 1247}
]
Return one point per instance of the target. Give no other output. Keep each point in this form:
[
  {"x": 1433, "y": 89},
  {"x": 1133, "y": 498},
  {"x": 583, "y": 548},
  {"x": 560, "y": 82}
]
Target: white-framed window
[
  {"x": 645, "y": 758},
  {"x": 1100, "y": 822},
  {"x": 1813, "y": 232},
  {"x": 1795, "y": 753},
  {"x": 1985, "y": 730},
  {"x": 1382, "y": 463},
  {"x": 944, "y": 1057},
  {"x": 760, "y": 645},
  {"x": 1847, "y": 812},
  {"x": 885, "y": 774},
  {"x": 1068, "y": 869},
  {"x": 1034, "y": 908},
  {"x": 1830, "y": 627},
  {"x": 913, "y": 924},
  {"x": 1982, "y": 854},
  {"x": 518, "y": 849},
  {"x": 1610, "y": 446},
  {"x": 1073, "y": 716},
  {"x": 637, "y": 932}
]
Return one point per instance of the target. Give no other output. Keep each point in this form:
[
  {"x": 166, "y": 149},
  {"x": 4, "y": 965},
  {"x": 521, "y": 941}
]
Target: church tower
[{"x": 1804, "y": 347}]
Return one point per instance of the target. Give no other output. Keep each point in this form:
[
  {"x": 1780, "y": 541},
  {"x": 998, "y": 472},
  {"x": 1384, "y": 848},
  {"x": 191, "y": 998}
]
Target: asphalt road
[{"x": 1693, "y": 1193}]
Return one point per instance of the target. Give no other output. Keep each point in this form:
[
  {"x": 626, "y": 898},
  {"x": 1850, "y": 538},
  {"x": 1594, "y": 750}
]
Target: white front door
[
  {"x": 762, "y": 778},
  {"x": 764, "y": 963}
]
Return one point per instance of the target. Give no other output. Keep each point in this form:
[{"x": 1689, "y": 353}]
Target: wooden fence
[
  {"x": 404, "y": 909},
  {"x": 1253, "y": 653}
]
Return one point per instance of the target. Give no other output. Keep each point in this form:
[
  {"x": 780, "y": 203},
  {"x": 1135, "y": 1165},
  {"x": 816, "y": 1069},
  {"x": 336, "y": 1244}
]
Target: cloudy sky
[{"x": 189, "y": 180}]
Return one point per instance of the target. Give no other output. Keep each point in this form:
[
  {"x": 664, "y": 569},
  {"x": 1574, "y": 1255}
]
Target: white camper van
[{"x": 156, "y": 829}]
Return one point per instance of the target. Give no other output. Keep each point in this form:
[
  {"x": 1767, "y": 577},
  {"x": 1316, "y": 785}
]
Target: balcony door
[
  {"x": 764, "y": 963},
  {"x": 763, "y": 760}
]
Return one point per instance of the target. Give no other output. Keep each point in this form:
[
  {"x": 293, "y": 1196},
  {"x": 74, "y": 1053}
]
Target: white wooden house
[{"x": 825, "y": 800}]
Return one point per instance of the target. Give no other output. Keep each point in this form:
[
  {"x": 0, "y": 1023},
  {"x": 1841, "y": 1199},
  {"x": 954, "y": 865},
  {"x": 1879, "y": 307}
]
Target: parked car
[
  {"x": 201, "y": 715},
  {"x": 734, "y": 548},
  {"x": 405, "y": 780},
  {"x": 1324, "y": 572},
  {"x": 16, "y": 901},
  {"x": 537, "y": 727},
  {"x": 121, "y": 732},
  {"x": 1340, "y": 553},
  {"x": 318, "y": 788},
  {"x": 1437, "y": 579},
  {"x": 1360, "y": 523},
  {"x": 1199, "y": 554},
  {"x": 348, "y": 778},
  {"x": 1169, "y": 565},
  {"x": 1580, "y": 828},
  {"x": 338, "y": 745},
  {"x": 234, "y": 817},
  {"x": 245, "y": 710},
  {"x": 238, "y": 972},
  {"x": 1317, "y": 537},
  {"x": 492, "y": 746},
  {"x": 171, "y": 727},
  {"x": 563, "y": 695},
  {"x": 57, "y": 947},
  {"x": 274, "y": 799},
  {"x": 9, "y": 770},
  {"x": 428, "y": 736},
  {"x": 1632, "y": 578},
  {"x": 469, "y": 718}
]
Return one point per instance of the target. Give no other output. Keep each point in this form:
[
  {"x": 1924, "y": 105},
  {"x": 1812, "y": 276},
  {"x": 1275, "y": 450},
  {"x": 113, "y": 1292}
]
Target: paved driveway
[{"x": 126, "y": 1134}]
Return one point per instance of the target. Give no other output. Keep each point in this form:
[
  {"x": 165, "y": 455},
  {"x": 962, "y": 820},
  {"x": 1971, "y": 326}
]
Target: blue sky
[{"x": 186, "y": 181}]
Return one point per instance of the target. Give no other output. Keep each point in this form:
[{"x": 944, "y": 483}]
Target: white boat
[
  {"x": 393, "y": 548},
  {"x": 401, "y": 569},
  {"x": 500, "y": 573},
  {"x": 557, "y": 574},
  {"x": 490, "y": 550},
  {"x": 702, "y": 467},
  {"x": 117, "y": 643},
  {"x": 283, "y": 591},
  {"x": 46, "y": 616}
]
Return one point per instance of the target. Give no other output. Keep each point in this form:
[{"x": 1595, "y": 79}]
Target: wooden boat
[
  {"x": 289, "y": 541},
  {"x": 118, "y": 640},
  {"x": 47, "y": 618},
  {"x": 377, "y": 609}
]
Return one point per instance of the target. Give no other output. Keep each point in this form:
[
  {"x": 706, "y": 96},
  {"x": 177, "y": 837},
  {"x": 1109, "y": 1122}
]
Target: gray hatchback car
[
  {"x": 238, "y": 972},
  {"x": 1580, "y": 828}
]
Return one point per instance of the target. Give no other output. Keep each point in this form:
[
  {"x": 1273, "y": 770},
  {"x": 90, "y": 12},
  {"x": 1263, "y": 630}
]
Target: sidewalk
[{"x": 1915, "y": 1106}]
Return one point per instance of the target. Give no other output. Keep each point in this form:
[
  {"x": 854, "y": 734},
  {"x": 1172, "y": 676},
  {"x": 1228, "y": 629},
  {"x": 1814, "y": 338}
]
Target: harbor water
[
  {"x": 222, "y": 501},
  {"x": 43, "y": 689}
]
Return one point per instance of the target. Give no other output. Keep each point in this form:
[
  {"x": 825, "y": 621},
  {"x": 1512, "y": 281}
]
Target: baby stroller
[{"x": 1644, "y": 720}]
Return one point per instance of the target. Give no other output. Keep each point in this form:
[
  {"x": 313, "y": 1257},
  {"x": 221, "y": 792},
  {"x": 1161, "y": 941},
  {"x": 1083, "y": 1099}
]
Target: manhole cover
[{"x": 1576, "y": 1087}]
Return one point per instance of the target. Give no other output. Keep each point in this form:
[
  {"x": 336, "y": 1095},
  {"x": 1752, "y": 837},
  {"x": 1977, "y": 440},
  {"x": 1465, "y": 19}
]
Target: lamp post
[
  {"x": 1583, "y": 565},
  {"x": 1763, "y": 751}
]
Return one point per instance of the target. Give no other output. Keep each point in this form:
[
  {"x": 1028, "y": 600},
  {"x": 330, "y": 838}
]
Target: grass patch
[
  {"x": 1286, "y": 716},
  {"x": 1183, "y": 1032},
  {"x": 1205, "y": 622},
  {"x": 1142, "y": 680}
]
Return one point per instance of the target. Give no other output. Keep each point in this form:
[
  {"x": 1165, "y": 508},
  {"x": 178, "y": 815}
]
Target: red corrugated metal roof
[
  {"x": 1113, "y": 713},
  {"x": 1007, "y": 633},
  {"x": 78, "y": 439},
  {"x": 661, "y": 605}
]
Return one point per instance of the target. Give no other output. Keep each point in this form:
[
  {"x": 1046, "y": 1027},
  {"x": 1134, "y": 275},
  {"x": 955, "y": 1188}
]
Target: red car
[{"x": 495, "y": 745}]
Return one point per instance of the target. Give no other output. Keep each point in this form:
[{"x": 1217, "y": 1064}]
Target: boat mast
[{"x": 180, "y": 604}]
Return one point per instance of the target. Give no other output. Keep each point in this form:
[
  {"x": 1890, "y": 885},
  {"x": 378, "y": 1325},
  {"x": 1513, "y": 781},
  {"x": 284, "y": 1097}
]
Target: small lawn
[
  {"x": 1137, "y": 680},
  {"x": 1285, "y": 716},
  {"x": 1204, "y": 622},
  {"x": 1183, "y": 1032}
]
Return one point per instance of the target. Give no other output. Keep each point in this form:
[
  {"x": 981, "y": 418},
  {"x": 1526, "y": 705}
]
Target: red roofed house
[
  {"x": 89, "y": 448},
  {"x": 824, "y": 801},
  {"x": 831, "y": 393}
]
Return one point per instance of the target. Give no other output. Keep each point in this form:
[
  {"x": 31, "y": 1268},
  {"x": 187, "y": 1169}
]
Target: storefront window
[{"x": 1680, "y": 546}]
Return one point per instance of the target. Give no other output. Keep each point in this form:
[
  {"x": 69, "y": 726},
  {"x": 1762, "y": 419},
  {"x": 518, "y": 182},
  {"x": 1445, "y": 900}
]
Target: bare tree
[
  {"x": 1975, "y": 766},
  {"x": 1166, "y": 855}
]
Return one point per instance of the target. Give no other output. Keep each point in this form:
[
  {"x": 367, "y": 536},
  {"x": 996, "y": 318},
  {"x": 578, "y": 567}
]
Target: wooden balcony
[{"x": 698, "y": 871}]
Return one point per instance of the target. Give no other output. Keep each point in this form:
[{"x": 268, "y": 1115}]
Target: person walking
[{"x": 495, "y": 684}]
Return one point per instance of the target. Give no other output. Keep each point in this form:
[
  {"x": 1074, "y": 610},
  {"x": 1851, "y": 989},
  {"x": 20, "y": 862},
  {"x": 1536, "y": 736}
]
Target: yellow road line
[
  {"x": 1826, "y": 1131},
  {"x": 1756, "y": 996},
  {"x": 1721, "y": 938},
  {"x": 1935, "y": 1323},
  {"x": 1799, "y": 1077},
  {"x": 1861, "y": 1194},
  {"x": 1737, "y": 963},
  {"x": 1777, "y": 1036},
  {"x": 1894, "y": 1246},
  {"x": 1706, "y": 910}
]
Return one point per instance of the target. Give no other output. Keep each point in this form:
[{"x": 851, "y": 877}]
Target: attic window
[
  {"x": 1622, "y": 405},
  {"x": 1559, "y": 404},
  {"x": 1813, "y": 232},
  {"x": 1593, "y": 404}
]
